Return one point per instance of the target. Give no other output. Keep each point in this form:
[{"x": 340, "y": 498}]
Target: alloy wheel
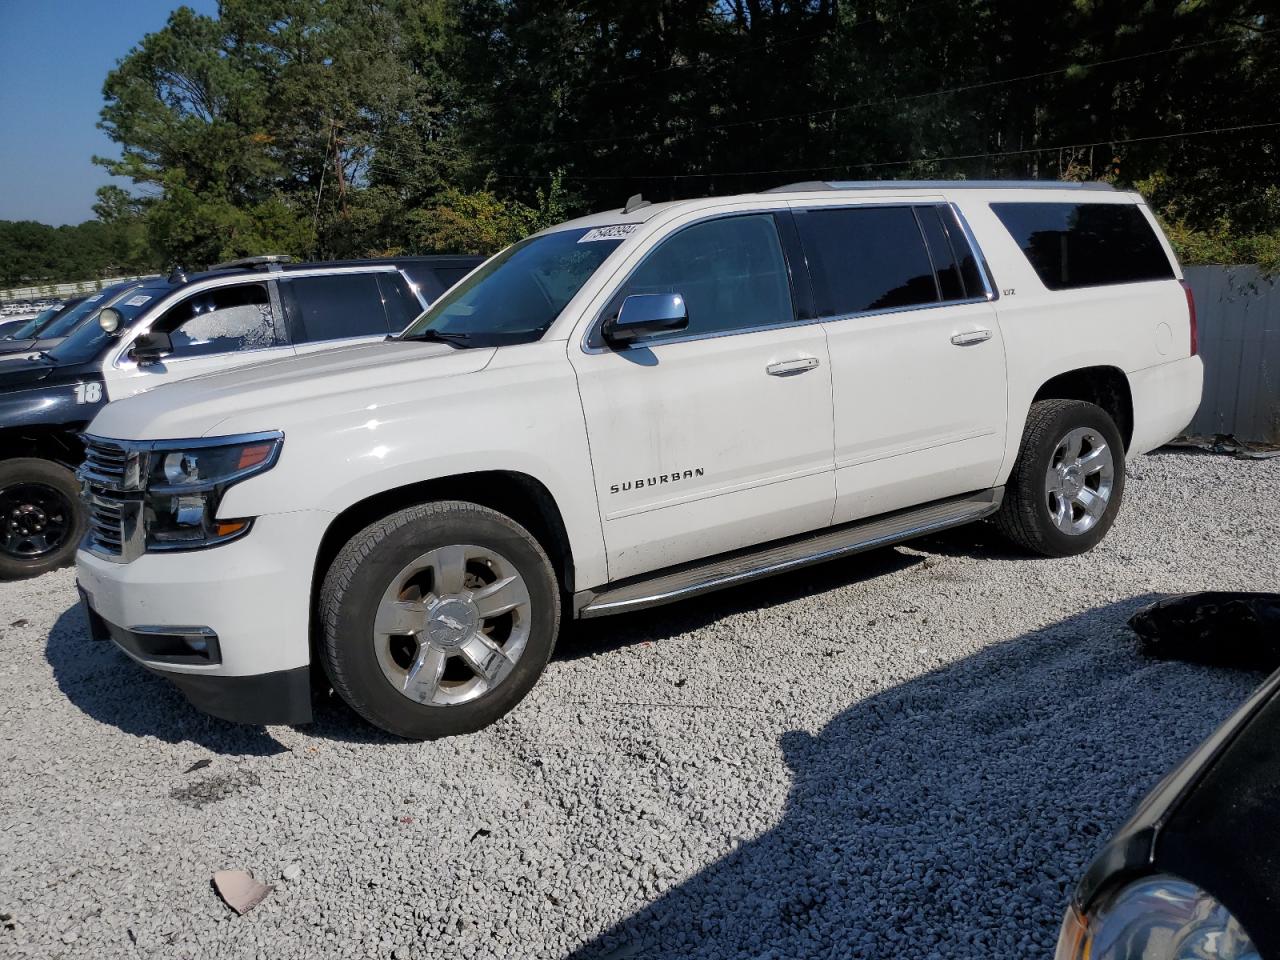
[
  {"x": 452, "y": 625},
  {"x": 1079, "y": 481}
]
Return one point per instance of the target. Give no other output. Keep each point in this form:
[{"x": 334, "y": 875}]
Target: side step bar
[{"x": 690, "y": 580}]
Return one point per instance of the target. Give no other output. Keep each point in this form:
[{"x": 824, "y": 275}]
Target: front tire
[
  {"x": 438, "y": 619},
  {"x": 1068, "y": 482},
  {"x": 41, "y": 517}
]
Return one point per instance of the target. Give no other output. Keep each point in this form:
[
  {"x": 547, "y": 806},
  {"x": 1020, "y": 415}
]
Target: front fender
[
  {"x": 70, "y": 403},
  {"x": 518, "y": 417}
]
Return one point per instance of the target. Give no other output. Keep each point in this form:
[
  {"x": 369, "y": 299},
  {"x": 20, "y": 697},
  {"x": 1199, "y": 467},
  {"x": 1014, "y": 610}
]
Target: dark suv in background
[{"x": 141, "y": 334}]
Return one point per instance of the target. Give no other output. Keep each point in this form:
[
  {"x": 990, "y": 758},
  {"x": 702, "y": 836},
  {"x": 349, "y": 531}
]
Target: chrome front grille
[
  {"x": 106, "y": 462},
  {"x": 111, "y": 487},
  {"x": 106, "y": 525}
]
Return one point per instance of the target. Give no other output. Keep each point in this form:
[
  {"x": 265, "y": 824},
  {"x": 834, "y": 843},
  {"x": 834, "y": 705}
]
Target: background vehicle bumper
[
  {"x": 249, "y": 601},
  {"x": 1165, "y": 398}
]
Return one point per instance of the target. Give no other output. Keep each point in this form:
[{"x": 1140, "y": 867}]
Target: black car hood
[
  {"x": 16, "y": 372},
  {"x": 1223, "y": 835},
  {"x": 30, "y": 345},
  {"x": 35, "y": 391},
  {"x": 18, "y": 346},
  {"x": 1213, "y": 821}
]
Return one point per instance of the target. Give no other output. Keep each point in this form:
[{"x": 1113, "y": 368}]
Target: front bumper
[{"x": 250, "y": 601}]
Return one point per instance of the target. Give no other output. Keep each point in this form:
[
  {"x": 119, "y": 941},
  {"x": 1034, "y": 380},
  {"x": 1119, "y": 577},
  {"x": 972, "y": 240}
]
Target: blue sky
[{"x": 54, "y": 55}]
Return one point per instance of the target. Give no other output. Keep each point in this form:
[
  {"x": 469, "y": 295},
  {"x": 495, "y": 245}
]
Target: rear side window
[
  {"x": 1086, "y": 244},
  {"x": 432, "y": 280},
  {"x": 401, "y": 305},
  {"x": 336, "y": 306},
  {"x": 221, "y": 320},
  {"x": 867, "y": 258},
  {"x": 451, "y": 275},
  {"x": 730, "y": 272},
  {"x": 946, "y": 266}
]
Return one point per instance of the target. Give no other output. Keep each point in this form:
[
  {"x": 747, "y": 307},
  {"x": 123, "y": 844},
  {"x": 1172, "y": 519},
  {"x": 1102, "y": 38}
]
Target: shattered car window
[{"x": 223, "y": 320}]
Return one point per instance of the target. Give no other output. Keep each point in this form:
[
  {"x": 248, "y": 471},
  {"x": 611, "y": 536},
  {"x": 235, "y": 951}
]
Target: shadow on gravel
[
  {"x": 981, "y": 541},
  {"x": 584, "y": 638},
  {"x": 950, "y": 816},
  {"x": 111, "y": 688}
]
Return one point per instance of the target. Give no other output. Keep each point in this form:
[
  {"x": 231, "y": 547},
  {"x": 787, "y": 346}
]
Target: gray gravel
[{"x": 909, "y": 754}]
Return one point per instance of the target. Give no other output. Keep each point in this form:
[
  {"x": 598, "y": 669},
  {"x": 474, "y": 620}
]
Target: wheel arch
[
  {"x": 60, "y": 444},
  {"x": 1104, "y": 386},
  {"x": 522, "y": 497}
]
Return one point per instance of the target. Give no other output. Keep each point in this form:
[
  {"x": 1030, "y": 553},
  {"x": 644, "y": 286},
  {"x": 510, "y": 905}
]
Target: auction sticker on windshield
[{"x": 617, "y": 231}]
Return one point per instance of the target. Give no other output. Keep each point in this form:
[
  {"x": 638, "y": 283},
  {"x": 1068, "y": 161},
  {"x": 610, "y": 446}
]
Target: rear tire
[
  {"x": 438, "y": 619},
  {"x": 1068, "y": 482},
  {"x": 42, "y": 519}
]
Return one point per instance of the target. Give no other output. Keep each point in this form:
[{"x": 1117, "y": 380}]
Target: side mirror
[
  {"x": 151, "y": 347},
  {"x": 643, "y": 315},
  {"x": 109, "y": 319}
]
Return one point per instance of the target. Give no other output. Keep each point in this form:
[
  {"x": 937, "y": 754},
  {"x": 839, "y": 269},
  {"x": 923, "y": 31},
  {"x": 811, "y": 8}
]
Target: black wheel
[
  {"x": 1066, "y": 487},
  {"x": 438, "y": 619},
  {"x": 41, "y": 517}
]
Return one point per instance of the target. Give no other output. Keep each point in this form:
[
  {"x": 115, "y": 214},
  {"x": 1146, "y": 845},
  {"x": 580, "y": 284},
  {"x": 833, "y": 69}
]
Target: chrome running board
[{"x": 690, "y": 580}]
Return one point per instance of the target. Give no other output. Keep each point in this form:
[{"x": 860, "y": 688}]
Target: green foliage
[
  {"x": 1220, "y": 241},
  {"x": 353, "y": 127},
  {"x": 115, "y": 244},
  {"x": 482, "y": 222}
]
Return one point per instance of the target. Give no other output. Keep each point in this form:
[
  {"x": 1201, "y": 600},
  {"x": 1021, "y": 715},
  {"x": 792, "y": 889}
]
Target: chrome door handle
[
  {"x": 971, "y": 337},
  {"x": 787, "y": 368}
]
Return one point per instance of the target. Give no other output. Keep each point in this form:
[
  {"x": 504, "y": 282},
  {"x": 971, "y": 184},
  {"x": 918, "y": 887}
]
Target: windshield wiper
[{"x": 439, "y": 336}]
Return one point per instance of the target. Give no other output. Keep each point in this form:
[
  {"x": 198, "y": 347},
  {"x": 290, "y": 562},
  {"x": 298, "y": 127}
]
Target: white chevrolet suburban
[{"x": 627, "y": 409}]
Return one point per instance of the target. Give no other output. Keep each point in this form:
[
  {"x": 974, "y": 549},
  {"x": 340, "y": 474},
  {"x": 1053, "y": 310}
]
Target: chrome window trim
[
  {"x": 984, "y": 269},
  {"x": 413, "y": 288},
  {"x": 693, "y": 337},
  {"x": 118, "y": 360},
  {"x": 598, "y": 322},
  {"x": 990, "y": 292},
  {"x": 914, "y": 308}
]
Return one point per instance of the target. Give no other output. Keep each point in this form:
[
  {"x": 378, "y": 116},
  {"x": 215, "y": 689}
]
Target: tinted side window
[
  {"x": 451, "y": 275},
  {"x": 222, "y": 320},
  {"x": 867, "y": 258},
  {"x": 731, "y": 273},
  {"x": 337, "y": 306},
  {"x": 424, "y": 279},
  {"x": 401, "y": 305},
  {"x": 1085, "y": 244},
  {"x": 969, "y": 269},
  {"x": 945, "y": 264}
]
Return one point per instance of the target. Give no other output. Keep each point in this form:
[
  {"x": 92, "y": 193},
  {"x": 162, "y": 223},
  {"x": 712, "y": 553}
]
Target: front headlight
[
  {"x": 1155, "y": 918},
  {"x": 186, "y": 483}
]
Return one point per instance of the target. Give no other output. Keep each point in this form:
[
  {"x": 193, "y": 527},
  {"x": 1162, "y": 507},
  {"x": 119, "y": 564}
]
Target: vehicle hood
[
  {"x": 278, "y": 391},
  {"x": 1203, "y": 822},
  {"x": 19, "y": 371},
  {"x": 18, "y": 346}
]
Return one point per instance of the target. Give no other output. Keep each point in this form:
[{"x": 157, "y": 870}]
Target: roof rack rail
[
  {"x": 271, "y": 261},
  {"x": 808, "y": 186}
]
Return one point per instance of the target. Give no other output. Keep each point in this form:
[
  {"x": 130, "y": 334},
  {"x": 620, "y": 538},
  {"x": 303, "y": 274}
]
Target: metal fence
[
  {"x": 57, "y": 290},
  {"x": 1239, "y": 313}
]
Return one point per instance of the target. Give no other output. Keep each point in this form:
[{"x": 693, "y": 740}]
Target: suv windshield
[
  {"x": 519, "y": 293},
  {"x": 32, "y": 326},
  {"x": 84, "y": 341}
]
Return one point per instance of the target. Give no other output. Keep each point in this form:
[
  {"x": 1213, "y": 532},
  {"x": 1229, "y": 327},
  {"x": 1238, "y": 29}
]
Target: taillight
[{"x": 1191, "y": 317}]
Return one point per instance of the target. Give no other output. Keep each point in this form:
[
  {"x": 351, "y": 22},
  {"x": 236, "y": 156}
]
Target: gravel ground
[{"x": 910, "y": 754}]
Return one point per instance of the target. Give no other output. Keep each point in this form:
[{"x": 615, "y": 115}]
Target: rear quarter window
[
  {"x": 336, "y": 307},
  {"x": 1073, "y": 245}
]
